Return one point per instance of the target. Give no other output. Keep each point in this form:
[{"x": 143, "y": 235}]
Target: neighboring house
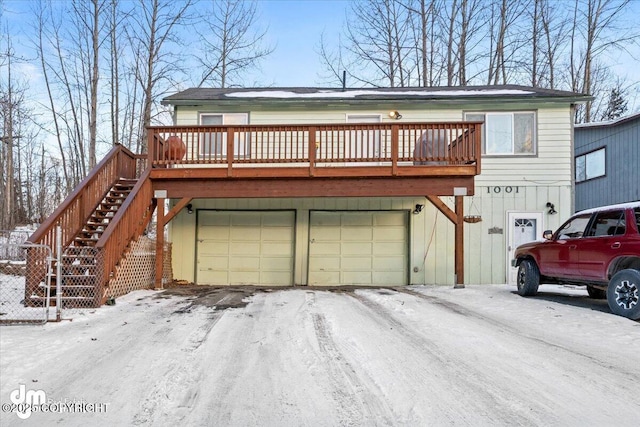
[
  {"x": 607, "y": 162},
  {"x": 340, "y": 231}
]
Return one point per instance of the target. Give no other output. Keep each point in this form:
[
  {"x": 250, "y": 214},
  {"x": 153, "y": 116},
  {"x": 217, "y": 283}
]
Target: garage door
[
  {"x": 358, "y": 248},
  {"x": 239, "y": 248}
]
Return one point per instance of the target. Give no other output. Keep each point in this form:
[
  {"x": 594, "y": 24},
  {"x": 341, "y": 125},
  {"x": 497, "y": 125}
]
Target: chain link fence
[
  {"x": 36, "y": 288},
  {"x": 25, "y": 293}
]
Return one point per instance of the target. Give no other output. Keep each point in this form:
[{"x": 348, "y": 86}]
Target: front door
[{"x": 523, "y": 227}]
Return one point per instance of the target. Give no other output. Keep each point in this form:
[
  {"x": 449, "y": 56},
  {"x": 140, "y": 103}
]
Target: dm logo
[{"x": 25, "y": 400}]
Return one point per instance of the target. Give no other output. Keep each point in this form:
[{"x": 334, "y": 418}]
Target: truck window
[
  {"x": 610, "y": 223},
  {"x": 574, "y": 228},
  {"x": 637, "y": 210}
]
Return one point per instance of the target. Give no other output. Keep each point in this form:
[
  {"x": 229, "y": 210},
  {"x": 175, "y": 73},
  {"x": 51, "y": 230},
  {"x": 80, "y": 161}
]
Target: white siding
[{"x": 544, "y": 177}]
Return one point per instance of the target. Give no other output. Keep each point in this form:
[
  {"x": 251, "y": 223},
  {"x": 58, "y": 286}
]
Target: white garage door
[
  {"x": 358, "y": 248},
  {"x": 237, "y": 248}
]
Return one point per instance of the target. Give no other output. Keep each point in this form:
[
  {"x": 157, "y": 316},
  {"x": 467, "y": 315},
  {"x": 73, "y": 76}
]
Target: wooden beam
[
  {"x": 313, "y": 187},
  {"x": 159, "y": 243},
  {"x": 442, "y": 207},
  {"x": 176, "y": 209}
]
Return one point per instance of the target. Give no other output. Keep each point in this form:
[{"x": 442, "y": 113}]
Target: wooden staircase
[{"x": 79, "y": 270}]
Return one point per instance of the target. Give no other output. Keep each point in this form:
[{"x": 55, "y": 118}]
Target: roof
[
  {"x": 616, "y": 122},
  {"x": 199, "y": 96},
  {"x": 627, "y": 205}
]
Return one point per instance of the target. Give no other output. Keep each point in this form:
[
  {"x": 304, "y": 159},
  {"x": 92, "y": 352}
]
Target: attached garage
[
  {"x": 358, "y": 248},
  {"x": 245, "y": 247}
]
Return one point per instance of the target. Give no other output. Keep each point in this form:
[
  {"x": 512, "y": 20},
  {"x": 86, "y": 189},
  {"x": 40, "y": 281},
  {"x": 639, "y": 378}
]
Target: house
[
  {"x": 607, "y": 162},
  {"x": 310, "y": 186},
  {"x": 394, "y": 236}
]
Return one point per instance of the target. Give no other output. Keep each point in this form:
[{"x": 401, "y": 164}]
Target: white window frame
[
  {"x": 589, "y": 173},
  {"x": 488, "y": 127},
  {"x": 241, "y": 141}
]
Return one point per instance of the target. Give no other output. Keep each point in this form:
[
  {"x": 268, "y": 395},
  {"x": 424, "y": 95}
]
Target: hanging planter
[
  {"x": 174, "y": 148},
  {"x": 472, "y": 218}
]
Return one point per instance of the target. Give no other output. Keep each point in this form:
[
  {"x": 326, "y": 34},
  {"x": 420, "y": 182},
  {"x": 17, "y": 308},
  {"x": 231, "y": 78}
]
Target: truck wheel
[
  {"x": 528, "y": 278},
  {"x": 623, "y": 293},
  {"x": 596, "y": 293}
]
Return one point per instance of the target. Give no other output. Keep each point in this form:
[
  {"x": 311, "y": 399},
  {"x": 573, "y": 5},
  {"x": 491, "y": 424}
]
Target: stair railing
[
  {"x": 76, "y": 209},
  {"x": 127, "y": 224}
]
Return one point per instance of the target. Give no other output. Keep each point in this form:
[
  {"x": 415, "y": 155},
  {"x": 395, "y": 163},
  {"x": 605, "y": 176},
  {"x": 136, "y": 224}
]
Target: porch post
[
  {"x": 159, "y": 242},
  {"x": 459, "y": 245}
]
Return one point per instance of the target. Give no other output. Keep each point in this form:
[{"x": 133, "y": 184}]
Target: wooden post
[
  {"x": 457, "y": 218},
  {"x": 159, "y": 243},
  {"x": 459, "y": 246}
]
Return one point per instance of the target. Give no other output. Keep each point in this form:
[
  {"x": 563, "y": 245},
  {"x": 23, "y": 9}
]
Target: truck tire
[
  {"x": 596, "y": 293},
  {"x": 623, "y": 293},
  {"x": 528, "y": 278}
]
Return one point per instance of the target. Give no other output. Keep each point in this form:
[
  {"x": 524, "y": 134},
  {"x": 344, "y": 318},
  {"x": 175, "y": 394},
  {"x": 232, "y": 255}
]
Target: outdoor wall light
[
  {"x": 395, "y": 114},
  {"x": 189, "y": 208},
  {"x": 552, "y": 208},
  {"x": 418, "y": 209}
]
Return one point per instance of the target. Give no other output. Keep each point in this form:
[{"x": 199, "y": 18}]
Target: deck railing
[{"x": 317, "y": 145}]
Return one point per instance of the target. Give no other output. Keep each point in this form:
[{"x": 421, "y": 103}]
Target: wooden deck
[{"x": 333, "y": 160}]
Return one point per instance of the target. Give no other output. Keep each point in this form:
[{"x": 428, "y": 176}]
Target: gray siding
[{"x": 621, "y": 182}]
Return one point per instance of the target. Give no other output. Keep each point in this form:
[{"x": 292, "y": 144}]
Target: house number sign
[{"x": 508, "y": 189}]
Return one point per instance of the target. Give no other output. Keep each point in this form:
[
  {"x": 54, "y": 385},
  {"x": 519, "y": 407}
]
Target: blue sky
[{"x": 295, "y": 28}]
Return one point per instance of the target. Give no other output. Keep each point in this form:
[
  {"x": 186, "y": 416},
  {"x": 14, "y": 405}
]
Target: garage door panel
[
  {"x": 357, "y": 234},
  {"x": 244, "y": 263},
  {"x": 358, "y": 248},
  {"x": 320, "y": 248},
  {"x": 389, "y": 278},
  {"x": 357, "y": 219},
  {"x": 357, "y": 264},
  {"x": 214, "y": 262},
  {"x": 283, "y": 249},
  {"x": 325, "y": 234},
  {"x": 387, "y": 248},
  {"x": 246, "y": 247},
  {"x": 382, "y": 219},
  {"x": 389, "y": 234},
  {"x": 356, "y": 278}
]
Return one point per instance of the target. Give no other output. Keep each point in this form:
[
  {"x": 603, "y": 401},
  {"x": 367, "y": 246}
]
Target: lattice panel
[{"x": 137, "y": 268}]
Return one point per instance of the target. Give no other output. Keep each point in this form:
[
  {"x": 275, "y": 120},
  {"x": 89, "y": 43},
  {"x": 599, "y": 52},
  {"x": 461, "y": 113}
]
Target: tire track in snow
[
  {"x": 178, "y": 385},
  {"x": 466, "y": 379},
  {"x": 463, "y": 311},
  {"x": 354, "y": 401}
]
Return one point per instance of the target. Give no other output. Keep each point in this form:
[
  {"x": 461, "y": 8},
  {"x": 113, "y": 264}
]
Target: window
[
  {"x": 607, "y": 224},
  {"x": 214, "y": 144},
  {"x": 590, "y": 165},
  {"x": 574, "y": 228},
  {"x": 507, "y": 133}
]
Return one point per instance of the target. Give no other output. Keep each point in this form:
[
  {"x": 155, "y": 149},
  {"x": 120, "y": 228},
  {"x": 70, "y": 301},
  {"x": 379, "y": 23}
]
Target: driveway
[{"x": 415, "y": 356}]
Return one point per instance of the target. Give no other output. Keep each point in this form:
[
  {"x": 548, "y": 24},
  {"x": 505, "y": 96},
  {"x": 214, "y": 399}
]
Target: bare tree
[
  {"x": 377, "y": 39},
  {"x": 597, "y": 29},
  {"x": 231, "y": 42},
  {"x": 154, "y": 27}
]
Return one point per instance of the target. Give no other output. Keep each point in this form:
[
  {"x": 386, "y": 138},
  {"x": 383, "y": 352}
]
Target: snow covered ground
[{"x": 424, "y": 356}]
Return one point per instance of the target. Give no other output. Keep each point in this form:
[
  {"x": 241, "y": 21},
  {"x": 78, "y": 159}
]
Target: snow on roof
[
  {"x": 635, "y": 204},
  {"x": 609, "y": 122},
  {"x": 355, "y": 93}
]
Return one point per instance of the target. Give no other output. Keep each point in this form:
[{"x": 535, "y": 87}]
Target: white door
[
  {"x": 244, "y": 247},
  {"x": 522, "y": 227},
  {"x": 358, "y": 248}
]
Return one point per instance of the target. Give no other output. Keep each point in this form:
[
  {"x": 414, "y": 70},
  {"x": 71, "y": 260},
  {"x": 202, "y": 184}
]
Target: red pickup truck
[{"x": 597, "y": 247}]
